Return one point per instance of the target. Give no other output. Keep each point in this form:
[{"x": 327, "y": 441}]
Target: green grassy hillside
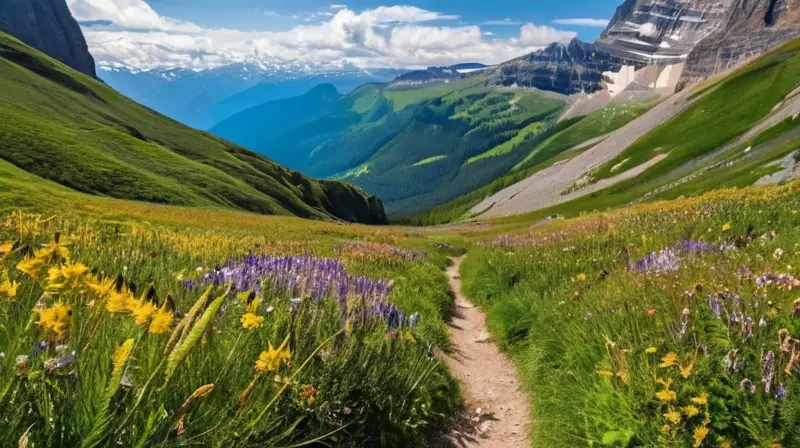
[
  {"x": 415, "y": 147},
  {"x": 66, "y": 127}
]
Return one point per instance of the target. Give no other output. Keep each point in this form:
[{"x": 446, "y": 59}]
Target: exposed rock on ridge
[
  {"x": 568, "y": 69},
  {"x": 662, "y": 32},
  {"x": 48, "y": 26},
  {"x": 752, "y": 28}
]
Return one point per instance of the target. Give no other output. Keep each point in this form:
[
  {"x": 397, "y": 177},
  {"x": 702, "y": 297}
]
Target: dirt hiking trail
[{"x": 498, "y": 411}]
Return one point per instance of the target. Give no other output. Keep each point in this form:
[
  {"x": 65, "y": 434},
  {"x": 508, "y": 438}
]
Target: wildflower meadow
[
  {"x": 120, "y": 332},
  {"x": 669, "y": 324}
]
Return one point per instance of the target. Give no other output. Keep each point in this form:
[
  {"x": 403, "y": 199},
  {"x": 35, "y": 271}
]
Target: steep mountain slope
[
  {"x": 66, "y": 127},
  {"x": 414, "y": 147},
  {"x": 751, "y": 28},
  {"x": 202, "y": 99},
  {"x": 721, "y": 134},
  {"x": 48, "y": 26},
  {"x": 658, "y": 44},
  {"x": 261, "y": 126},
  {"x": 650, "y": 31}
]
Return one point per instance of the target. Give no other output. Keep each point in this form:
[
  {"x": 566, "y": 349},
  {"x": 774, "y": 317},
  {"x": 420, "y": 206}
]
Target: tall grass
[
  {"x": 657, "y": 325},
  {"x": 105, "y": 340}
]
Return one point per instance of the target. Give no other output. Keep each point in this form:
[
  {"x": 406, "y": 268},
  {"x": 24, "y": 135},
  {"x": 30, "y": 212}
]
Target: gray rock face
[
  {"x": 752, "y": 27},
  {"x": 567, "y": 69},
  {"x": 48, "y": 26},
  {"x": 662, "y": 32}
]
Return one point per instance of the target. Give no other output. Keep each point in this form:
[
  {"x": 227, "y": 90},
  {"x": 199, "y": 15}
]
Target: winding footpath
[{"x": 499, "y": 412}]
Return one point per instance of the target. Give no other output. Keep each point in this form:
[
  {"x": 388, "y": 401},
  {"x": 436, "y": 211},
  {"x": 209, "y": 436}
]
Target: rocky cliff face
[
  {"x": 48, "y": 26},
  {"x": 658, "y": 44},
  {"x": 751, "y": 28},
  {"x": 567, "y": 69},
  {"x": 662, "y": 32}
]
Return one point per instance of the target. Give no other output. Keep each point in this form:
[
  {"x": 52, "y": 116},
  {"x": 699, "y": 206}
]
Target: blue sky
[
  {"x": 325, "y": 35},
  {"x": 240, "y": 13}
]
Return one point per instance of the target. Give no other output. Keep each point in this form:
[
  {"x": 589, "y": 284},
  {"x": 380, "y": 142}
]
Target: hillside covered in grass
[
  {"x": 734, "y": 130},
  {"x": 69, "y": 128},
  {"x": 129, "y": 323},
  {"x": 670, "y": 324},
  {"x": 415, "y": 147}
]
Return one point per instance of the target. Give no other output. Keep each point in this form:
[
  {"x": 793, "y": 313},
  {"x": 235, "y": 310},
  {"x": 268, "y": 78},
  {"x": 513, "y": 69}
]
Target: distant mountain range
[
  {"x": 431, "y": 136},
  {"x": 618, "y": 119},
  {"x": 202, "y": 99}
]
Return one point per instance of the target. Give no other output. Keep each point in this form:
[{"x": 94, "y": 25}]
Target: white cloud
[
  {"x": 386, "y": 36},
  {"x": 582, "y": 22},
  {"x": 135, "y": 14},
  {"x": 542, "y": 35},
  {"x": 505, "y": 22},
  {"x": 337, "y": 6}
]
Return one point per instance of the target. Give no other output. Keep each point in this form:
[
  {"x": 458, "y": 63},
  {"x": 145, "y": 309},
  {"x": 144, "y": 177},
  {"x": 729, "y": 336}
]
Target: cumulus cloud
[
  {"x": 536, "y": 35},
  {"x": 135, "y": 35},
  {"x": 135, "y": 14},
  {"x": 582, "y": 22}
]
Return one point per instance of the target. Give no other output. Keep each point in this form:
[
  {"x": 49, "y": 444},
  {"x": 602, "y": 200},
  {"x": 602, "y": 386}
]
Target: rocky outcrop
[
  {"x": 662, "y": 32},
  {"x": 751, "y": 28},
  {"x": 48, "y": 26},
  {"x": 568, "y": 69},
  {"x": 436, "y": 74}
]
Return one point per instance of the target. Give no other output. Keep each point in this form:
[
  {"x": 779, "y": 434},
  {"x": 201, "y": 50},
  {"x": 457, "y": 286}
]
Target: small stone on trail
[{"x": 483, "y": 337}]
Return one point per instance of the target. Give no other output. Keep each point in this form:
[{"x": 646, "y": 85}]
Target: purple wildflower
[
  {"x": 781, "y": 393},
  {"x": 666, "y": 260},
  {"x": 713, "y": 303}
]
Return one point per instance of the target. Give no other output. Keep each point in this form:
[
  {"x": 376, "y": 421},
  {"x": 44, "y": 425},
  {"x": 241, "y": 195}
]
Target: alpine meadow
[{"x": 433, "y": 224}]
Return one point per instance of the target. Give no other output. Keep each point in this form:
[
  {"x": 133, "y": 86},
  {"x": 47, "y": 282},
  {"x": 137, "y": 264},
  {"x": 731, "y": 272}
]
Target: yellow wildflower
[
  {"x": 56, "y": 251},
  {"x": 701, "y": 400},
  {"x": 5, "y": 249},
  {"x": 581, "y": 277},
  {"x": 252, "y": 321},
  {"x": 650, "y": 350},
  {"x": 143, "y": 311},
  {"x": 74, "y": 271},
  {"x": 100, "y": 287},
  {"x": 673, "y": 417},
  {"x": 55, "y": 319},
  {"x": 162, "y": 319},
  {"x": 666, "y": 428},
  {"x": 726, "y": 227},
  {"x": 686, "y": 372},
  {"x": 725, "y": 444},
  {"x": 271, "y": 360},
  {"x": 121, "y": 356},
  {"x": 53, "y": 277},
  {"x": 31, "y": 266},
  {"x": 666, "y": 395},
  {"x": 700, "y": 434},
  {"x": 9, "y": 288},
  {"x": 606, "y": 373},
  {"x": 671, "y": 359},
  {"x": 665, "y": 383},
  {"x": 120, "y": 301},
  {"x": 691, "y": 411},
  {"x": 775, "y": 445}
]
